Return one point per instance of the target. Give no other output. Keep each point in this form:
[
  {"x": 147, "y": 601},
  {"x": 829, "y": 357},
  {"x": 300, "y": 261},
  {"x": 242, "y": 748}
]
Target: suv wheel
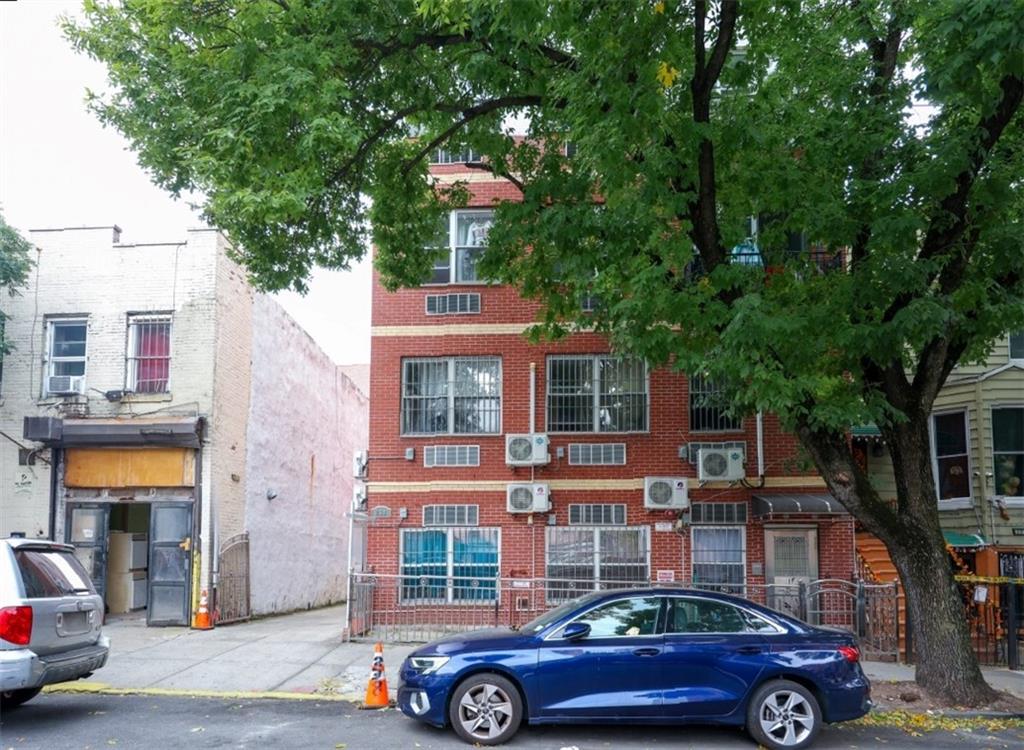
[
  {"x": 485, "y": 709},
  {"x": 783, "y": 715},
  {"x": 13, "y": 698}
]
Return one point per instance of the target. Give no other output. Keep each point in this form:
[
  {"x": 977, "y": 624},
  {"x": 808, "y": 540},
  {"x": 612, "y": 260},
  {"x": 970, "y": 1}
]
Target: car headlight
[{"x": 428, "y": 664}]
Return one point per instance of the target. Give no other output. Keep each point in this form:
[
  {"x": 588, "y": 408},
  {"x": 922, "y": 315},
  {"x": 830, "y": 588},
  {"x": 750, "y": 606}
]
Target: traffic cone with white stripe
[
  {"x": 377, "y": 687},
  {"x": 202, "y": 619}
]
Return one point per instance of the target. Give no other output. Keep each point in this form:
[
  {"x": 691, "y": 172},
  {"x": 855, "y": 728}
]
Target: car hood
[{"x": 488, "y": 639}]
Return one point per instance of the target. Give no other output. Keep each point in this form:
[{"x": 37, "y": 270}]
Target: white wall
[{"x": 305, "y": 420}]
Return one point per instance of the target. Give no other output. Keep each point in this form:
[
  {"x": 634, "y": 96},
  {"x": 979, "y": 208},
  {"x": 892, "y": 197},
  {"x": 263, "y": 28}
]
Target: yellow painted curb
[{"x": 100, "y": 688}]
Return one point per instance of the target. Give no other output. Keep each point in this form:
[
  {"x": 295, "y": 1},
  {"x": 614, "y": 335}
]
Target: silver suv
[{"x": 50, "y": 619}]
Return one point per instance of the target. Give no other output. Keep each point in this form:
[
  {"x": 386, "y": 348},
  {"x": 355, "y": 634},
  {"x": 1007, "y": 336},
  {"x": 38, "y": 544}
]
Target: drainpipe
[
  {"x": 56, "y": 457},
  {"x": 760, "y": 444},
  {"x": 533, "y": 396}
]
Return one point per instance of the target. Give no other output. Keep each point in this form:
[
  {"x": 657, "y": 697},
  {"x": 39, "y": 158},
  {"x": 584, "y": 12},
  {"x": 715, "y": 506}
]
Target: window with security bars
[
  {"x": 451, "y": 515},
  {"x": 596, "y": 393},
  {"x": 718, "y": 513},
  {"x": 718, "y": 557},
  {"x": 452, "y": 304},
  {"x": 444, "y": 156},
  {"x": 580, "y": 559},
  {"x": 709, "y": 408},
  {"x": 597, "y": 514},
  {"x": 449, "y": 565},
  {"x": 597, "y": 454},
  {"x": 451, "y": 395},
  {"x": 148, "y": 353},
  {"x": 451, "y": 455}
]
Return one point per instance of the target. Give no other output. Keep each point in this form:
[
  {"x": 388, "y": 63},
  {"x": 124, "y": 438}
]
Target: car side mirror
[{"x": 574, "y": 631}]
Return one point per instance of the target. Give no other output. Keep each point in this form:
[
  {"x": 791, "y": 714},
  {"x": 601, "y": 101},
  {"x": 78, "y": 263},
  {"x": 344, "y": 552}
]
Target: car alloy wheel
[
  {"x": 784, "y": 714},
  {"x": 486, "y": 709}
]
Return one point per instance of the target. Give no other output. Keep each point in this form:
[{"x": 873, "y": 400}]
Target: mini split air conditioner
[
  {"x": 65, "y": 385},
  {"x": 359, "y": 497},
  {"x": 720, "y": 464},
  {"x": 527, "y": 450},
  {"x": 359, "y": 462},
  {"x": 665, "y": 493},
  {"x": 528, "y": 498}
]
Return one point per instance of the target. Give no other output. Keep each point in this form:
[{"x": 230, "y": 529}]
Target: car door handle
[
  {"x": 646, "y": 651},
  {"x": 748, "y": 650}
]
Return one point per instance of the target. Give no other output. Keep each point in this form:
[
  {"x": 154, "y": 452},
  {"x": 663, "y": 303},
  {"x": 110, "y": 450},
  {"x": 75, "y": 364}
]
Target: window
[
  {"x": 579, "y": 558},
  {"x": 949, "y": 456},
  {"x": 52, "y": 573},
  {"x": 452, "y": 304},
  {"x": 705, "y": 616},
  {"x": 596, "y": 393},
  {"x": 718, "y": 558},
  {"x": 597, "y": 514},
  {"x": 450, "y": 515},
  {"x": 450, "y": 565},
  {"x": 597, "y": 454},
  {"x": 451, "y": 455},
  {"x": 718, "y": 513},
  {"x": 636, "y": 616},
  {"x": 455, "y": 395},
  {"x": 708, "y": 408},
  {"x": 148, "y": 353},
  {"x": 460, "y": 244},
  {"x": 1017, "y": 345},
  {"x": 1008, "y": 447},
  {"x": 443, "y": 156},
  {"x": 66, "y": 352}
]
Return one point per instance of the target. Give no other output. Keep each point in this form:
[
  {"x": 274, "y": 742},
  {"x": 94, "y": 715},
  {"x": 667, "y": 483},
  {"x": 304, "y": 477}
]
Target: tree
[
  {"x": 15, "y": 262},
  {"x": 887, "y": 132}
]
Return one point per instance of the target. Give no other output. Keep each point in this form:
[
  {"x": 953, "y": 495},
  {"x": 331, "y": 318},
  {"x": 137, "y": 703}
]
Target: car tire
[
  {"x": 783, "y": 715},
  {"x": 485, "y": 709},
  {"x": 14, "y": 698}
]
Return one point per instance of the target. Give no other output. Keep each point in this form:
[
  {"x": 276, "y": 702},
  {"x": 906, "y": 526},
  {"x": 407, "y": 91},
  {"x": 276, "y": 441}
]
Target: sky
[{"x": 59, "y": 167}]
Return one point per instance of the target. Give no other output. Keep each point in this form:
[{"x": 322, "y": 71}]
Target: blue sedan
[{"x": 647, "y": 656}]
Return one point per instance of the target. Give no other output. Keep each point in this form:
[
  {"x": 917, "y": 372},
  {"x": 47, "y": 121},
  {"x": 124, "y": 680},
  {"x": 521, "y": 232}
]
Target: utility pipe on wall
[
  {"x": 533, "y": 397},
  {"x": 760, "y": 444}
]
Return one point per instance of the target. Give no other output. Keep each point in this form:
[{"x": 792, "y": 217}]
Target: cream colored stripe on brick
[
  {"x": 452, "y": 329},
  {"x": 395, "y": 488}
]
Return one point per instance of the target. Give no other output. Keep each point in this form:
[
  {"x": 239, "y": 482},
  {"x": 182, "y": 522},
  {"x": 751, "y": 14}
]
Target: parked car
[
  {"x": 50, "y": 619},
  {"x": 645, "y": 656}
]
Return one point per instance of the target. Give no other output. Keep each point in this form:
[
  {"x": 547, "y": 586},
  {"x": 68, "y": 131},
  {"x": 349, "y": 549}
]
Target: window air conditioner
[
  {"x": 720, "y": 464},
  {"x": 528, "y": 498},
  {"x": 65, "y": 385},
  {"x": 527, "y": 450},
  {"x": 665, "y": 493}
]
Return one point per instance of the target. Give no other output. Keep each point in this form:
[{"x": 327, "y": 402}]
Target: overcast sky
[{"x": 60, "y": 168}]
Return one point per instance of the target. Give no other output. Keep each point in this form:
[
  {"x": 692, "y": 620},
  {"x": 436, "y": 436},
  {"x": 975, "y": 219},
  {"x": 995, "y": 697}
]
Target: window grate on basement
[
  {"x": 597, "y": 454},
  {"x": 693, "y": 449},
  {"x": 453, "y": 304},
  {"x": 451, "y": 455},
  {"x": 451, "y": 515},
  {"x": 718, "y": 513},
  {"x": 597, "y": 514}
]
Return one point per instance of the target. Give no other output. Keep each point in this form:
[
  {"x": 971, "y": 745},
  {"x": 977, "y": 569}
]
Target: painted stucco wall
[{"x": 305, "y": 420}]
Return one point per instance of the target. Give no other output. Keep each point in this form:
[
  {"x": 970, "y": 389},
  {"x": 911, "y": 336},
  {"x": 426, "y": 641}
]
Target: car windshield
[
  {"x": 538, "y": 624},
  {"x": 51, "y": 573}
]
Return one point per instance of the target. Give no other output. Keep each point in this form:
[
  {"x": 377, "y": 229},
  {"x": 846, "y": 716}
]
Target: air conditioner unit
[
  {"x": 65, "y": 385},
  {"x": 527, "y": 450},
  {"x": 720, "y": 464},
  {"x": 528, "y": 498},
  {"x": 665, "y": 493},
  {"x": 359, "y": 461},
  {"x": 359, "y": 497}
]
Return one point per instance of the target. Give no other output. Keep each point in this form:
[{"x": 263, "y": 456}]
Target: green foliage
[
  {"x": 15, "y": 264},
  {"x": 305, "y": 123}
]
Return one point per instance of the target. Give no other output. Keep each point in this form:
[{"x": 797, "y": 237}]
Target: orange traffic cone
[
  {"x": 377, "y": 687},
  {"x": 202, "y": 619}
]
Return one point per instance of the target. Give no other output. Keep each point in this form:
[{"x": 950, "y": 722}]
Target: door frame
[{"x": 813, "y": 558}]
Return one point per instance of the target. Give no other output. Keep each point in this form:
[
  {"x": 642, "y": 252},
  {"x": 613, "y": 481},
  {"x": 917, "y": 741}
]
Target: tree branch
[{"x": 493, "y": 169}]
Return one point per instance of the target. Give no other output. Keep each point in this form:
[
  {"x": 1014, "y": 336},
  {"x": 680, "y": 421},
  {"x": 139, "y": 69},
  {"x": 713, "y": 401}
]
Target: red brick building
[{"x": 452, "y": 377}]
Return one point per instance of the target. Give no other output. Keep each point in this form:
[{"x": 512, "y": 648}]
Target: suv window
[
  {"x": 52, "y": 573},
  {"x": 705, "y": 616},
  {"x": 625, "y": 617}
]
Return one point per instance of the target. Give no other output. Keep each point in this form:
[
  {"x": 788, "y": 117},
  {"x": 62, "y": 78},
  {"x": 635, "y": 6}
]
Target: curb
[
  {"x": 99, "y": 688},
  {"x": 940, "y": 713}
]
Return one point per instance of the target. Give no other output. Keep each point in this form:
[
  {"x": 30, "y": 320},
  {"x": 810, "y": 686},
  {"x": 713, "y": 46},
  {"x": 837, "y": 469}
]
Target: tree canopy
[
  {"x": 880, "y": 143},
  {"x": 15, "y": 263}
]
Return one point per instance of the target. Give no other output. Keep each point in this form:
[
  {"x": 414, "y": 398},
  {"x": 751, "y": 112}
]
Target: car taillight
[
  {"x": 16, "y": 625},
  {"x": 850, "y": 653}
]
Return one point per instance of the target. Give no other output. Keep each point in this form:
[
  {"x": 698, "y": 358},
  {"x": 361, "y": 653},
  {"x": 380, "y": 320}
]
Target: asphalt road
[{"x": 104, "y": 722}]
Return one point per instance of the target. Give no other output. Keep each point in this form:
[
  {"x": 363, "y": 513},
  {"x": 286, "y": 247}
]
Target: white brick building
[{"x": 178, "y": 403}]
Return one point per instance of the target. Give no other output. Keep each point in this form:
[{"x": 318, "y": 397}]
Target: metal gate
[
  {"x": 232, "y": 603},
  {"x": 869, "y": 610}
]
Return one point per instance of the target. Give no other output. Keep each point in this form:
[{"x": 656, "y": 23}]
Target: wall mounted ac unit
[
  {"x": 527, "y": 450},
  {"x": 359, "y": 462},
  {"x": 528, "y": 498},
  {"x": 720, "y": 464},
  {"x": 665, "y": 493},
  {"x": 65, "y": 385},
  {"x": 359, "y": 497}
]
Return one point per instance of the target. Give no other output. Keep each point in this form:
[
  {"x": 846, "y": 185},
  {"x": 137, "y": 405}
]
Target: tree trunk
[{"x": 947, "y": 667}]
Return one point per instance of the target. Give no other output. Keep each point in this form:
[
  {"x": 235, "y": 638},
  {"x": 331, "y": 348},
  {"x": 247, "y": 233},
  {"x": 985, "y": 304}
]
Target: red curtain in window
[{"x": 152, "y": 350}]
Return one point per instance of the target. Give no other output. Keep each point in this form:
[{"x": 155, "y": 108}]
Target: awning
[
  {"x": 957, "y": 539},
  {"x": 183, "y": 432},
  {"x": 815, "y": 504},
  {"x": 864, "y": 431}
]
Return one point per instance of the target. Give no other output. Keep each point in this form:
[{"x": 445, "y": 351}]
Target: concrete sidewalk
[{"x": 295, "y": 655}]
